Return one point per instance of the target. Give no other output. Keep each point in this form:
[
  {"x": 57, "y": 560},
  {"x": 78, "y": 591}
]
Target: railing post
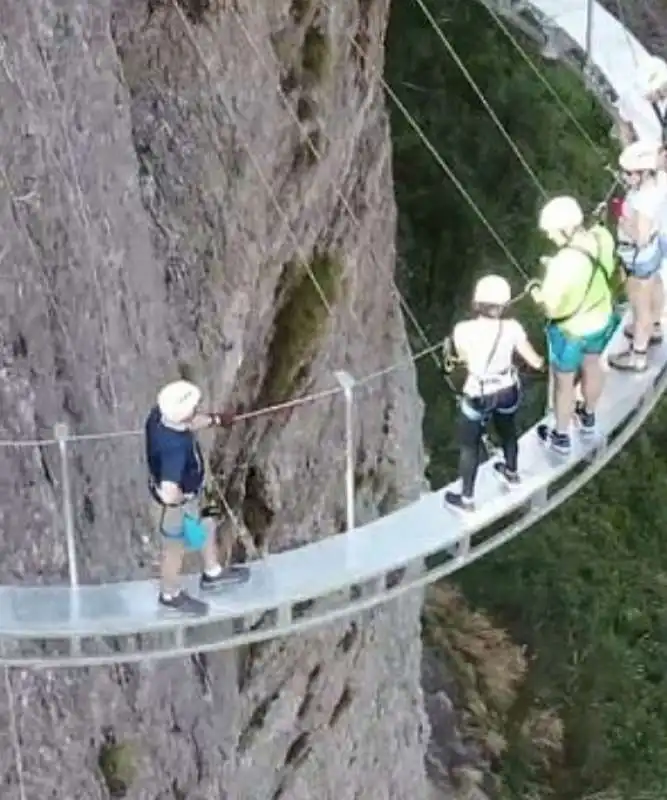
[
  {"x": 590, "y": 4},
  {"x": 61, "y": 433},
  {"x": 347, "y": 383}
]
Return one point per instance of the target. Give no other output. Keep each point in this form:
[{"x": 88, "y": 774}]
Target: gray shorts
[{"x": 168, "y": 520}]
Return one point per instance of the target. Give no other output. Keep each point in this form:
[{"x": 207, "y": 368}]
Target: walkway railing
[{"x": 315, "y": 584}]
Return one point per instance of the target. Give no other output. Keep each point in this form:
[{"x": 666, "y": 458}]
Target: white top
[
  {"x": 650, "y": 200},
  {"x": 488, "y": 346},
  {"x": 634, "y": 108}
]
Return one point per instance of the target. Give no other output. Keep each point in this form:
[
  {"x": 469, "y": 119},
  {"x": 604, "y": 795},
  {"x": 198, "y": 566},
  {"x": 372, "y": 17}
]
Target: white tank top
[
  {"x": 650, "y": 200},
  {"x": 488, "y": 346}
]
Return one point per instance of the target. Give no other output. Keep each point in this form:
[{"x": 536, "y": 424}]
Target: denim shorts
[
  {"x": 567, "y": 352},
  {"x": 645, "y": 262}
]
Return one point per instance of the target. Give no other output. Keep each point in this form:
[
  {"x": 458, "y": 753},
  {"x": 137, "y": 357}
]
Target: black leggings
[{"x": 501, "y": 408}]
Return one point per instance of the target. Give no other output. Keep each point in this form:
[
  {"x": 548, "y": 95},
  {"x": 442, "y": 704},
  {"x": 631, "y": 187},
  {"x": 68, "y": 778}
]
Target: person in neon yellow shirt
[{"x": 576, "y": 295}]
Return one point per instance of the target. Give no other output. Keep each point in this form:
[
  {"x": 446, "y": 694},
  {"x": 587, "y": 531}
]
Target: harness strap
[
  {"x": 662, "y": 119},
  {"x": 152, "y": 488},
  {"x": 597, "y": 267}
]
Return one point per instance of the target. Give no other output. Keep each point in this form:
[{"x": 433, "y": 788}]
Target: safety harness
[
  {"x": 597, "y": 268},
  {"x": 452, "y": 360}
]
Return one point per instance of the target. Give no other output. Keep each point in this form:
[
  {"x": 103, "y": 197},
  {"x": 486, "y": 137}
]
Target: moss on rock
[
  {"x": 300, "y": 324},
  {"x": 117, "y": 763}
]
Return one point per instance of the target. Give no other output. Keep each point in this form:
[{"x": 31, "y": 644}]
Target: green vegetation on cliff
[{"x": 585, "y": 591}]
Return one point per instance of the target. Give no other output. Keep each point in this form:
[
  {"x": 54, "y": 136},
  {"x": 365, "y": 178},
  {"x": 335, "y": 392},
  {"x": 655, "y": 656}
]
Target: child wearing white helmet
[
  {"x": 487, "y": 344},
  {"x": 576, "y": 296},
  {"x": 176, "y": 479},
  {"x": 641, "y": 247}
]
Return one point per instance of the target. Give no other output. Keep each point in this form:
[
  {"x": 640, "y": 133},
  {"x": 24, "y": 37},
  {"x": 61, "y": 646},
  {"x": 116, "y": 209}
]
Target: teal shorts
[{"x": 567, "y": 353}]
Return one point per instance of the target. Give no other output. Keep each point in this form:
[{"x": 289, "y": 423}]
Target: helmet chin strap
[{"x": 175, "y": 426}]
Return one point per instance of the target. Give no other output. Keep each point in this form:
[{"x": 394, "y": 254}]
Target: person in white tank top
[
  {"x": 641, "y": 247},
  {"x": 487, "y": 345}
]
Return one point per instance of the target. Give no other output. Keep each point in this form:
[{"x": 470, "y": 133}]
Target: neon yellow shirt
[{"x": 574, "y": 285}]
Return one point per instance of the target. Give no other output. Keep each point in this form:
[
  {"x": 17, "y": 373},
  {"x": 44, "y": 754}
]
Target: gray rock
[{"x": 137, "y": 233}]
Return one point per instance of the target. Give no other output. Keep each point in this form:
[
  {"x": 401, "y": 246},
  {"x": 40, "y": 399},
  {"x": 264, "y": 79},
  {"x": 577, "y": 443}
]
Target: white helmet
[
  {"x": 178, "y": 400},
  {"x": 492, "y": 290},
  {"x": 640, "y": 156},
  {"x": 560, "y": 214},
  {"x": 655, "y": 77}
]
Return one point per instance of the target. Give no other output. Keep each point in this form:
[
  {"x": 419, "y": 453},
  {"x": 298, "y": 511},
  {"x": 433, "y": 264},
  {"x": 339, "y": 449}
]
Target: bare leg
[
  {"x": 209, "y": 551},
  {"x": 630, "y": 285},
  {"x": 171, "y": 566},
  {"x": 643, "y": 313},
  {"x": 564, "y": 400},
  {"x": 592, "y": 381},
  {"x": 172, "y": 552},
  {"x": 657, "y": 299}
]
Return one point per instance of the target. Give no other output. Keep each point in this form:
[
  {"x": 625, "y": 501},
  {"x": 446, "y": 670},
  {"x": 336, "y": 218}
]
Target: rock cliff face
[{"x": 172, "y": 174}]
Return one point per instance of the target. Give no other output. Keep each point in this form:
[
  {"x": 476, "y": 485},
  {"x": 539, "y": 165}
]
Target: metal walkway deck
[{"x": 45, "y": 627}]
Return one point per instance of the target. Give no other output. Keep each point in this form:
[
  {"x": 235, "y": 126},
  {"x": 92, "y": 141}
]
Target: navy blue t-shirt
[{"x": 173, "y": 455}]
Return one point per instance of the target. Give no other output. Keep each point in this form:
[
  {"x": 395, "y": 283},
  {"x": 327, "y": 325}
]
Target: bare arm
[
  {"x": 528, "y": 353},
  {"x": 217, "y": 419},
  {"x": 550, "y": 293},
  {"x": 645, "y": 230},
  {"x": 201, "y": 421}
]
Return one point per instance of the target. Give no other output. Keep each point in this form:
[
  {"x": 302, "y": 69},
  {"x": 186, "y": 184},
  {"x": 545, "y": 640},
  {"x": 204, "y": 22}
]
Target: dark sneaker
[
  {"x": 505, "y": 474},
  {"x": 629, "y": 361},
  {"x": 459, "y": 502},
  {"x": 656, "y": 335},
  {"x": 558, "y": 442},
  {"x": 184, "y": 603},
  {"x": 228, "y": 577},
  {"x": 585, "y": 419},
  {"x": 211, "y": 511}
]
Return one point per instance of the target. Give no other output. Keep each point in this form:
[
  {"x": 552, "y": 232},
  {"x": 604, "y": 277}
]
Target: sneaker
[
  {"x": 629, "y": 361},
  {"x": 211, "y": 511},
  {"x": 229, "y": 576},
  {"x": 184, "y": 603},
  {"x": 558, "y": 442},
  {"x": 585, "y": 419},
  {"x": 459, "y": 502},
  {"x": 506, "y": 474},
  {"x": 656, "y": 335}
]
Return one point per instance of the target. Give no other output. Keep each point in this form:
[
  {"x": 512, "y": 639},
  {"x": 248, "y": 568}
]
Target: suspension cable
[
  {"x": 295, "y": 118},
  {"x": 445, "y": 167},
  {"x": 480, "y": 94},
  {"x": 269, "y": 189},
  {"x": 543, "y": 79},
  {"x": 84, "y": 218},
  {"x": 299, "y": 401}
]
